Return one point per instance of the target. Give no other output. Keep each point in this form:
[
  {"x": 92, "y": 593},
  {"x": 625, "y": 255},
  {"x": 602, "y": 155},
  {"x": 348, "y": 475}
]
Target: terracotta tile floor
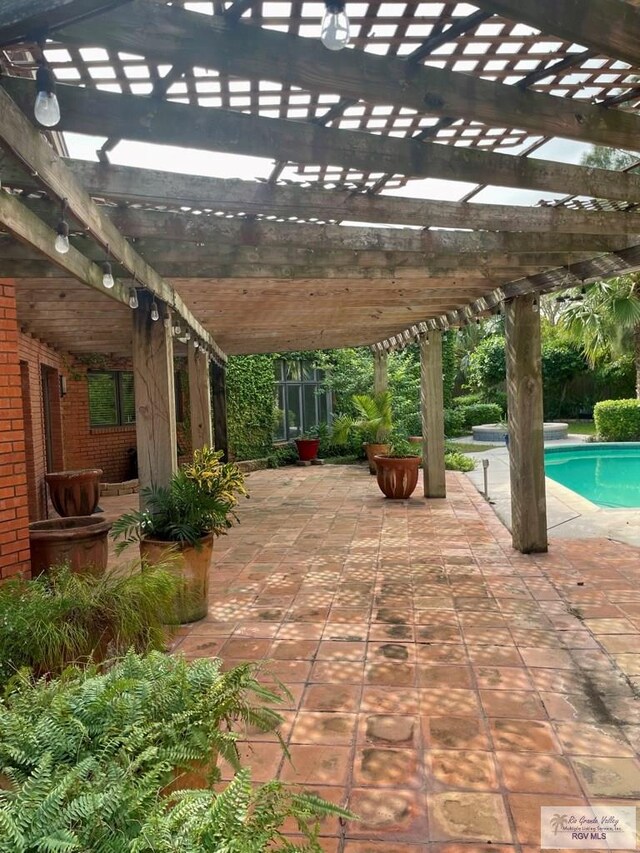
[{"x": 443, "y": 685}]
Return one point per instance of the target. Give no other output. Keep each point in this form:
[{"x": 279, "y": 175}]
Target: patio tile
[
  {"x": 523, "y": 736},
  {"x": 503, "y": 678},
  {"x": 444, "y": 676},
  {"x": 463, "y": 816},
  {"x": 389, "y": 729},
  {"x": 382, "y": 767},
  {"x": 462, "y": 769},
  {"x": 586, "y": 739},
  {"x": 316, "y": 765},
  {"x": 398, "y": 814},
  {"x": 609, "y": 776},
  {"x": 512, "y": 703},
  {"x": 525, "y": 809},
  {"x": 529, "y": 772},
  {"x": 325, "y": 697},
  {"x": 455, "y": 733},
  {"x": 546, "y": 658},
  {"x": 322, "y": 727}
]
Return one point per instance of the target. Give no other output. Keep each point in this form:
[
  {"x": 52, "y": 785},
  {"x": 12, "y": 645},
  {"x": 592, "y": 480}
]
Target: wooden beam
[
  {"x": 26, "y": 227},
  {"x": 199, "y": 399},
  {"x": 608, "y": 27},
  {"x": 130, "y": 185},
  {"x": 153, "y": 378},
  {"x": 219, "y": 392},
  {"x": 28, "y": 20},
  {"x": 432, "y": 410},
  {"x": 160, "y": 230},
  {"x": 21, "y": 137},
  {"x": 526, "y": 439},
  {"x": 380, "y": 373},
  {"x": 143, "y": 119},
  {"x": 172, "y": 34}
]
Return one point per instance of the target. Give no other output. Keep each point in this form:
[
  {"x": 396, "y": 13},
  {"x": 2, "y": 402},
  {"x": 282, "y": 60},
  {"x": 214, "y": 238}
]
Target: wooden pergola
[{"x": 447, "y": 91}]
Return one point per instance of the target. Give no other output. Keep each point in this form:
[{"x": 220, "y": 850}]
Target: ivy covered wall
[{"x": 250, "y": 405}]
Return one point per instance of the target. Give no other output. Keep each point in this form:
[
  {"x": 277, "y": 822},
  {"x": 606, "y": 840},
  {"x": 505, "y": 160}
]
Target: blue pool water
[{"x": 605, "y": 474}]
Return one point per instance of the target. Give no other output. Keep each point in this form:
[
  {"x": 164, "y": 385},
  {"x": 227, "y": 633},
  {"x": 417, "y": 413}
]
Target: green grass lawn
[
  {"x": 582, "y": 427},
  {"x": 469, "y": 446}
]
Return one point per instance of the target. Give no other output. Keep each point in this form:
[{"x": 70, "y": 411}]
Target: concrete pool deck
[{"x": 569, "y": 515}]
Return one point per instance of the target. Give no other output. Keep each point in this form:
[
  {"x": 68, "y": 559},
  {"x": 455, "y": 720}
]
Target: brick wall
[
  {"x": 14, "y": 508},
  {"x": 94, "y": 447}
]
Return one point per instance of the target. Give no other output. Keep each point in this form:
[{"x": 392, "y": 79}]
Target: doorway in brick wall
[{"x": 51, "y": 423}]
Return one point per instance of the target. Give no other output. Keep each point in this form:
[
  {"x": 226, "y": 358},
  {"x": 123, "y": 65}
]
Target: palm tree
[{"x": 606, "y": 321}]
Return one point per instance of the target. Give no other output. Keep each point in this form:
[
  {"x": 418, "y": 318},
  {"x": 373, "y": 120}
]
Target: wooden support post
[
  {"x": 432, "y": 407},
  {"x": 155, "y": 397},
  {"x": 219, "y": 395},
  {"x": 526, "y": 438},
  {"x": 199, "y": 399},
  {"x": 380, "y": 372}
]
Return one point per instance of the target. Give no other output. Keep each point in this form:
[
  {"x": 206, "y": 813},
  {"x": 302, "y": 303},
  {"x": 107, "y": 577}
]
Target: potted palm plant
[
  {"x": 397, "y": 470},
  {"x": 182, "y": 519},
  {"x": 373, "y": 421}
]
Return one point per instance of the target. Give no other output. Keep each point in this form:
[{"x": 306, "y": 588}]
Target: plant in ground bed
[
  {"x": 618, "y": 420},
  {"x": 85, "y": 761},
  {"x": 456, "y": 461},
  {"x": 199, "y": 500},
  {"x": 62, "y": 617}
]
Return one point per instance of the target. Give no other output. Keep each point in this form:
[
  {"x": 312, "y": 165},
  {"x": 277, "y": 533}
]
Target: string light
[
  {"x": 334, "y": 32},
  {"x": 177, "y": 331},
  {"x": 46, "y": 108},
  {"x": 133, "y": 298},
  {"x": 107, "y": 273},
  {"x": 155, "y": 314},
  {"x": 61, "y": 244}
]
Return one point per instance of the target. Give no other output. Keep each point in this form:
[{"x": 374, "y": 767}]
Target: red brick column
[{"x": 14, "y": 509}]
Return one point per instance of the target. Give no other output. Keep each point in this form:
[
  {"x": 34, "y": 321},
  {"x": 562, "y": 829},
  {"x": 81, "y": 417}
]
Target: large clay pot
[
  {"x": 398, "y": 477},
  {"x": 193, "y": 564},
  {"x": 79, "y": 541},
  {"x": 373, "y": 450},
  {"x": 74, "y": 493},
  {"x": 307, "y": 448}
]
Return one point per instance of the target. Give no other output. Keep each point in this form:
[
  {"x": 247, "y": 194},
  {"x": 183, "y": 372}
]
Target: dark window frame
[
  {"x": 284, "y": 381},
  {"x": 117, "y": 379}
]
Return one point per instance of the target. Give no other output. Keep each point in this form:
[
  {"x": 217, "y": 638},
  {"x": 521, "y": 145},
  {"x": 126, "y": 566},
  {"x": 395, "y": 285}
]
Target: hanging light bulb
[
  {"x": 155, "y": 314},
  {"x": 187, "y": 335},
  {"x": 177, "y": 331},
  {"x": 196, "y": 344},
  {"x": 107, "y": 276},
  {"x": 133, "y": 298},
  {"x": 61, "y": 244},
  {"x": 334, "y": 32},
  {"x": 46, "y": 108}
]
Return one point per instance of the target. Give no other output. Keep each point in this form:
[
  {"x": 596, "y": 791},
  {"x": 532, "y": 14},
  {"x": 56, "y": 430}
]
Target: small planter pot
[
  {"x": 74, "y": 493},
  {"x": 373, "y": 450},
  {"x": 193, "y": 564},
  {"x": 307, "y": 448},
  {"x": 80, "y": 541},
  {"x": 397, "y": 477}
]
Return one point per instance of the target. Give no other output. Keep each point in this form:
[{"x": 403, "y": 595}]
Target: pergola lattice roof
[{"x": 494, "y": 80}]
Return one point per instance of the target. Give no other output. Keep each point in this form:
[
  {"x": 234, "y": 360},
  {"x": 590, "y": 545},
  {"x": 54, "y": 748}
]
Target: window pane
[
  {"x": 322, "y": 408},
  {"x": 309, "y": 396},
  {"x": 103, "y": 408},
  {"x": 280, "y": 429},
  {"x": 127, "y": 399},
  {"x": 293, "y": 371},
  {"x": 280, "y": 370},
  {"x": 308, "y": 371},
  {"x": 293, "y": 411}
]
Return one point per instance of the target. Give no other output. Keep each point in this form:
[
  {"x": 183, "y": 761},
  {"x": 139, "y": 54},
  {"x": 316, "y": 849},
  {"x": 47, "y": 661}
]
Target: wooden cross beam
[
  {"x": 26, "y": 20},
  {"x": 143, "y": 119},
  {"x": 245, "y": 50},
  {"x": 130, "y": 185},
  {"x": 20, "y": 137},
  {"x": 609, "y": 27}
]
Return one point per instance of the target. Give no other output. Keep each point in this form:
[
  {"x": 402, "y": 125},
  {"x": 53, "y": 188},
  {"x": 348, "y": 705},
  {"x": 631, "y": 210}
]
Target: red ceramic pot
[{"x": 307, "y": 448}]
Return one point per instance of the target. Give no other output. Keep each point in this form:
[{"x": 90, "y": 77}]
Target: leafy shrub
[
  {"x": 618, "y": 420},
  {"x": 498, "y": 398},
  {"x": 487, "y": 364},
  {"x": 466, "y": 400},
  {"x": 456, "y": 461},
  {"x": 61, "y": 617},
  {"x": 480, "y": 413},
  {"x": 84, "y": 761},
  {"x": 284, "y": 454},
  {"x": 453, "y": 423},
  {"x": 411, "y": 424},
  {"x": 250, "y": 405}
]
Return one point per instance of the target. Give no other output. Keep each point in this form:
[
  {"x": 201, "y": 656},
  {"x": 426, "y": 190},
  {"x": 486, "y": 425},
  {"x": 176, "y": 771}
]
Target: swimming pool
[{"x": 606, "y": 474}]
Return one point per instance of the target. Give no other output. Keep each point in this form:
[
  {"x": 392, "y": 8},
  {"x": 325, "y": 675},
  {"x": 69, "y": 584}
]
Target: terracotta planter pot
[
  {"x": 398, "y": 478},
  {"x": 193, "y": 564},
  {"x": 74, "y": 493},
  {"x": 373, "y": 450},
  {"x": 307, "y": 448},
  {"x": 195, "y": 778},
  {"x": 79, "y": 541}
]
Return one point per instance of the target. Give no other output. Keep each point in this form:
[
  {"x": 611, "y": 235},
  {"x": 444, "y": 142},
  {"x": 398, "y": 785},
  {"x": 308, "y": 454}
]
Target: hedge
[
  {"x": 617, "y": 420},
  {"x": 454, "y": 423},
  {"x": 480, "y": 413}
]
